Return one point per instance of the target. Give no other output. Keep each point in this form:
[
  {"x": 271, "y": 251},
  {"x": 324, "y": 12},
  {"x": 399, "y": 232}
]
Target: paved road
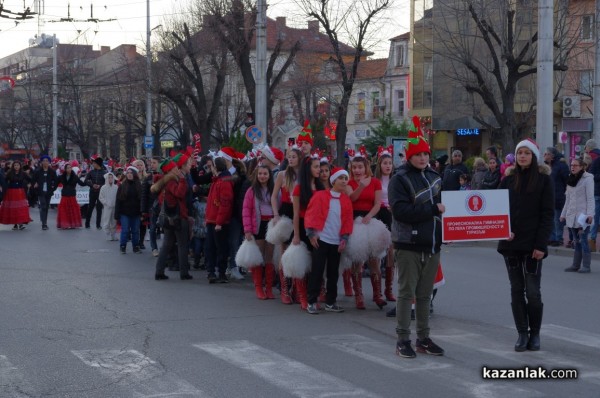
[{"x": 78, "y": 319}]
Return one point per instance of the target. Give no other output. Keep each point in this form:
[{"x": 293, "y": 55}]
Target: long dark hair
[
  {"x": 526, "y": 178},
  {"x": 256, "y": 186},
  {"x": 11, "y": 174},
  {"x": 126, "y": 186},
  {"x": 306, "y": 180}
]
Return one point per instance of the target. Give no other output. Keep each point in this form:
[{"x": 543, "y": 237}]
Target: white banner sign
[{"x": 83, "y": 195}]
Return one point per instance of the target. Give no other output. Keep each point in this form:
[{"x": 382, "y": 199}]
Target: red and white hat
[
  {"x": 269, "y": 154},
  {"x": 531, "y": 145},
  {"x": 227, "y": 153},
  {"x": 336, "y": 173}
]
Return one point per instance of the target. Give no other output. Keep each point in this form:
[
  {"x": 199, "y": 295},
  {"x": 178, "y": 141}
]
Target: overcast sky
[{"x": 130, "y": 24}]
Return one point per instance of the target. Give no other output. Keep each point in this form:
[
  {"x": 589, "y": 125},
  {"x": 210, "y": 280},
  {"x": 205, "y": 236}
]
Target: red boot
[
  {"x": 257, "y": 277},
  {"x": 389, "y": 283},
  {"x": 347, "y": 278},
  {"x": 285, "y": 293},
  {"x": 358, "y": 296},
  {"x": 269, "y": 279},
  {"x": 300, "y": 284},
  {"x": 377, "y": 296}
]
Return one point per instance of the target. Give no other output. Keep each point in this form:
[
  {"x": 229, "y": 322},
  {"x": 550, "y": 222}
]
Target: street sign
[
  {"x": 167, "y": 144},
  {"x": 254, "y": 135},
  {"x": 475, "y": 215},
  {"x": 149, "y": 142}
]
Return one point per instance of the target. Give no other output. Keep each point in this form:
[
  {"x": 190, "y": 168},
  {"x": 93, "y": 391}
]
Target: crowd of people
[{"x": 295, "y": 222}]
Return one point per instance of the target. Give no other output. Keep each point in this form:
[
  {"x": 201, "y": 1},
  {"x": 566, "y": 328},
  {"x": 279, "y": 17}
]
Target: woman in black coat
[
  {"x": 491, "y": 178},
  {"x": 69, "y": 213},
  {"x": 531, "y": 197},
  {"x": 128, "y": 209}
]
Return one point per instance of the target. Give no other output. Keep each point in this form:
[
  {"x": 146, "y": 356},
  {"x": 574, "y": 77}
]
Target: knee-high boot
[
  {"x": 347, "y": 278},
  {"x": 269, "y": 279},
  {"x": 389, "y": 284},
  {"x": 300, "y": 285},
  {"x": 535, "y": 312},
  {"x": 357, "y": 284},
  {"x": 577, "y": 257},
  {"x": 519, "y": 311},
  {"x": 257, "y": 278},
  {"x": 285, "y": 292},
  {"x": 377, "y": 296}
]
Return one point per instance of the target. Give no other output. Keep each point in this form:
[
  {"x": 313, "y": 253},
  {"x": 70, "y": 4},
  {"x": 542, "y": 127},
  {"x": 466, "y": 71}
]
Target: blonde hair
[
  {"x": 365, "y": 162},
  {"x": 478, "y": 162}
]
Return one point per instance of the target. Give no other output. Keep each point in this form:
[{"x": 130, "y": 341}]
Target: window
[
  {"x": 362, "y": 106},
  {"x": 400, "y": 54},
  {"x": 375, "y": 104},
  {"x": 587, "y": 27},
  {"x": 400, "y": 102},
  {"x": 362, "y": 133},
  {"x": 428, "y": 101},
  {"x": 428, "y": 68},
  {"x": 586, "y": 82}
]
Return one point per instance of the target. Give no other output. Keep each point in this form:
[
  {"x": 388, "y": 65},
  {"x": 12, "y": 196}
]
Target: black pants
[
  {"x": 181, "y": 236},
  {"x": 94, "y": 203},
  {"x": 44, "y": 200},
  {"x": 525, "y": 275},
  {"x": 217, "y": 249},
  {"x": 326, "y": 257}
]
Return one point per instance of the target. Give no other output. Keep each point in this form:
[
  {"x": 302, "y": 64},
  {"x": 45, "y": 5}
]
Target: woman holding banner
[{"x": 531, "y": 200}]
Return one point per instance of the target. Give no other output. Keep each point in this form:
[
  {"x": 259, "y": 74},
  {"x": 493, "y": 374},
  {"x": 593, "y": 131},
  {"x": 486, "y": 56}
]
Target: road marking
[
  {"x": 573, "y": 336},
  {"x": 466, "y": 381},
  {"x": 12, "y": 382},
  {"x": 290, "y": 375},
  {"x": 132, "y": 369}
]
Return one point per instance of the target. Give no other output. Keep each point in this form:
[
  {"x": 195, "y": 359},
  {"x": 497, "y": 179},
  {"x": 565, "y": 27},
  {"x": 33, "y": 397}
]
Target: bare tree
[{"x": 351, "y": 20}]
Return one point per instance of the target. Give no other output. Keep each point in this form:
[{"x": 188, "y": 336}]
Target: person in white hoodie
[
  {"x": 108, "y": 198},
  {"x": 578, "y": 213}
]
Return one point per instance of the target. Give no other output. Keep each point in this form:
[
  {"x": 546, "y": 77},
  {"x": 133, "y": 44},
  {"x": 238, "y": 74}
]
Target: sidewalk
[{"x": 552, "y": 251}]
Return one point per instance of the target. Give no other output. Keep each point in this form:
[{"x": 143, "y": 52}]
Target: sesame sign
[{"x": 475, "y": 215}]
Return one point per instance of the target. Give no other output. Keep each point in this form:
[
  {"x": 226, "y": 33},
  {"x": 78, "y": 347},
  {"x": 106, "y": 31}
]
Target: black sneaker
[
  {"x": 44, "y": 227},
  {"x": 333, "y": 308},
  {"x": 426, "y": 346},
  {"x": 312, "y": 309},
  {"x": 223, "y": 279},
  {"x": 186, "y": 277},
  {"x": 160, "y": 277},
  {"x": 142, "y": 246},
  {"x": 22, "y": 227},
  {"x": 391, "y": 313},
  {"x": 405, "y": 350},
  {"x": 136, "y": 249},
  {"x": 122, "y": 249},
  {"x": 212, "y": 278}
]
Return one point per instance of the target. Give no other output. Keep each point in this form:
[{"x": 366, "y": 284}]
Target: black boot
[
  {"x": 519, "y": 311},
  {"x": 535, "y": 312}
]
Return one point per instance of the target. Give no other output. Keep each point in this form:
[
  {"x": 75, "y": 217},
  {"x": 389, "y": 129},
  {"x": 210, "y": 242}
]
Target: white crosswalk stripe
[
  {"x": 295, "y": 377},
  {"x": 12, "y": 382},
  {"x": 573, "y": 336},
  {"x": 138, "y": 372}
]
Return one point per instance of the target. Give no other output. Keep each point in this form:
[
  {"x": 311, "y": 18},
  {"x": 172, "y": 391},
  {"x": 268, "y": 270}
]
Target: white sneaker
[
  {"x": 235, "y": 274},
  {"x": 155, "y": 253}
]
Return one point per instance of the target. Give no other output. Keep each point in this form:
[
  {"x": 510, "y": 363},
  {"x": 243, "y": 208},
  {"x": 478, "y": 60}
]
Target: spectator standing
[
  {"x": 128, "y": 209},
  {"x": 591, "y": 147},
  {"x": 479, "y": 170},
  {"x": 559, "y": 175},
  {"x": 453, "y": 171},
  {"x": 45, "y": 182},
  {"x": 95, "y": 179},
  {"x": 491, "y": 179}
]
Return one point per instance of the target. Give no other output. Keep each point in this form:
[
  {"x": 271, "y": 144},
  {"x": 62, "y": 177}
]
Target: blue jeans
[
  {"x": 594, "y": 232},
  {"x": 198, "y": 247},
  {"x": 130, "y": 225},
  {"x": 580, "y": 239},
  {"x": 152, "y": 231},
  {"x": 559, "y": 227}
]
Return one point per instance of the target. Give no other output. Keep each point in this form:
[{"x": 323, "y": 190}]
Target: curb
[{"x": 554, "y": 251}]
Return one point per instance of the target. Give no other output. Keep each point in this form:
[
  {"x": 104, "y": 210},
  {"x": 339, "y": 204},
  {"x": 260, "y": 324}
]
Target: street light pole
[
  {"x": 545, "y": 76},
  {"x": 54, "y": 100},
  {"x": 260, "y": 99},
  {"x": 148, "y": 81}
]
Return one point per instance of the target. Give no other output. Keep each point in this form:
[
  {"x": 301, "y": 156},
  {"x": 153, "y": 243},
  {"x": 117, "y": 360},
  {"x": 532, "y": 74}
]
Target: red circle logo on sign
[{"x": 475, "y": 203}]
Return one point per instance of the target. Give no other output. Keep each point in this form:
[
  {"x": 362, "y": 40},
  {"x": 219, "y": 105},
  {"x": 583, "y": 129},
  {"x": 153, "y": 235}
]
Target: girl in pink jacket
[{"x": 256, "y": 214}]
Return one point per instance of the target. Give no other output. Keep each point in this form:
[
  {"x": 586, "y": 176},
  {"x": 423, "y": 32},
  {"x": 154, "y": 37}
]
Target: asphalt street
[{"x": 79, "y": 319}]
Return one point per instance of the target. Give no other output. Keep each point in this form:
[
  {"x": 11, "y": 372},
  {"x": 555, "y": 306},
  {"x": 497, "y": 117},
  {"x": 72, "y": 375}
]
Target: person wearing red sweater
[
  {"x": 219, "y": 208},
  {"x": 329, "y": 222}
]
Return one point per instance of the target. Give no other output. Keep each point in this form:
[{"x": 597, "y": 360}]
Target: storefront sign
[
  {"x": 167, "y": 144},
  {"x": 475, "y": 215},
  {"x": 467, "y": 132}
]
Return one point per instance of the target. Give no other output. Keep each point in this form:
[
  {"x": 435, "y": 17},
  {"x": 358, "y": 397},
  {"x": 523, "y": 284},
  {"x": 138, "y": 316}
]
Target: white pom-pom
[
  {"x": 357, "y": 249},
  {"x": 296, "y": 261},
  {"x": 248, "y": 255},
  {"x": 380, "y": 238},
  {"x": 280, "y": 232},
  {"x": 345, "y": 262}
]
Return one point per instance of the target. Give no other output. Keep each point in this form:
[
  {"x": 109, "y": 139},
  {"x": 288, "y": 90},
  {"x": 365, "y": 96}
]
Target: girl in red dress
[
  {"x": 15, "y": 207},
  {"x": 69, "y": 213}
]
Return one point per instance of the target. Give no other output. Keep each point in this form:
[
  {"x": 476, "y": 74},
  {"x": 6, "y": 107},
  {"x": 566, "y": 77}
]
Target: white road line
[
  {"x": 12, "y": 382},
  {"x": 138, "y": 372},
  {"x": 573, "y": 336},
  {"x": 448, "y": 375},
  {"x": 290, "y": 375}
]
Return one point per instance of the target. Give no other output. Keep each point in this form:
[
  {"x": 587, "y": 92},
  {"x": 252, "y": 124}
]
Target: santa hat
[
  {"x": 167, "y": 165},
  {"x": 240, "y": 156},
  {"x": 133, "y": 168},
  {"x": 336, "y": 173},
  {"x": 74, "y": 163},
  {"x": 227, "y": 153},
  {"x": 416, "y": 142},
  {"x": 269, "y": 155},
  {"x": 305, "y": 135},
  {"x": 531, "y": 145}
]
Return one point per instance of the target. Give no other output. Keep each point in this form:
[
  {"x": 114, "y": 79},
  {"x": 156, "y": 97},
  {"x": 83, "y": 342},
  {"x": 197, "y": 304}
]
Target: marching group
[{"x": 295, "y": 222}]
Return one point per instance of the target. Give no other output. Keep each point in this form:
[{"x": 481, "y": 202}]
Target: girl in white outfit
[{"x": 108, "y": 198}]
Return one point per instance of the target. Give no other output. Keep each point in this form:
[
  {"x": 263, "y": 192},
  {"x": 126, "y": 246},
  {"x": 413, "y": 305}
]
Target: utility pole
[
  {"x": 149, "y": 83},
  {"x": 54, "y": 99},
  {"x": 545, "y": 76},
  {"x": 596, "y": 94},
  {"x": 260, "y": 103}
]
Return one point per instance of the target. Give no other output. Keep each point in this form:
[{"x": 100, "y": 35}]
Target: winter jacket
[
  {"x": 219, "y": 205},
  {"x": 95, "y": 177},
  {"x": 69, "y": 187},
  {"x": 148, "y": 197},
  {"x": 175, "y": 194},
  {"x": 491, "y": 180},
  {"x": 414, "y": 195},
  {"x": 48, "y": 177},
  {"x": 108, "y": 195},
  {"x": 477, "y": 178},
  {"x": 452, "y": 174},
  {"x": 595, "y": 170},
  {"x": 559, "y": 175},
  {"x": 579, "y": 199},
  {"x": 318, "y": 209},
  {"x": 531, "y": 213},
  {"x": 131, "y": 204},
  {"x": 251, "y": 212}
]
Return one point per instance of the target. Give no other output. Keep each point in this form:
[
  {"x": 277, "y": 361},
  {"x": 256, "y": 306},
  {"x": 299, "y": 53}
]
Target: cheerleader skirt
[
  {"x": 15, "y": 207},
  {"x": 69, "y": 214}
]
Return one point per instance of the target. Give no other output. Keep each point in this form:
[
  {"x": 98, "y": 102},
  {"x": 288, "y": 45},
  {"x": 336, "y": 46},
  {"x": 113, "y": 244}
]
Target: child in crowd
[
  {"x": 108, "y": 198},
  {"x": 465, "y": 182}
]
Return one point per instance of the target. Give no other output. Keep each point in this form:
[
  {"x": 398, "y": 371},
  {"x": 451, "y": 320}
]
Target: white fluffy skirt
[
  {"x": 379, "y": 237},
  {"x": 280, "y": 232},
  {"x": 248, "y": 255},
  {"x": 345, "y": 262},
  {"x": 357, "y": 249},
  {"x": 296, "y": 261}
]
